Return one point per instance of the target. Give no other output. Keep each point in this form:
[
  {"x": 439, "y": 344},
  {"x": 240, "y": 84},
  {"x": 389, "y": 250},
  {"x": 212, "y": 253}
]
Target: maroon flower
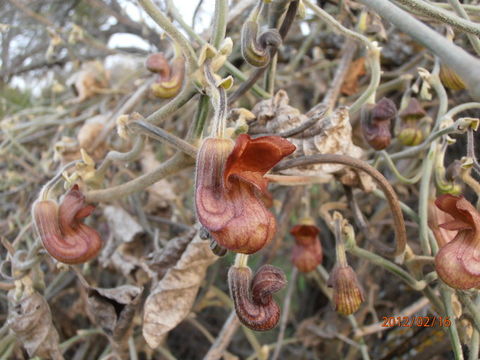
[
  {"x": 229, "y": 189},
  {"x": 458, "y": 261},
  {"x": 63, "y": 234},
  {"x": 307, "y": 252}
]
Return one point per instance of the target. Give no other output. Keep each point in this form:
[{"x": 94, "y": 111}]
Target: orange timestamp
[{"x": 416, "y": 321}]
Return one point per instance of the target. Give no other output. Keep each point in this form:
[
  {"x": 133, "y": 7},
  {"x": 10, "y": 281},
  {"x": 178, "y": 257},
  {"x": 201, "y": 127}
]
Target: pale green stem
[
  {"x": 427, "y": 169},
  {"x": 53, "y": 181},
  {"x": 455, "y": 4},
  {"x": 241, "y": 260},
  {"x": 220, "y": 25},
  {"x": 443, "y": 16},
  {"x": 446, "y": 294},
  {"x": 396, "y": 172},
  {"x": 172, "y": 31},
  {"x": 471, "y": 307},
  {"x": 218, "y": 97},
  {"x": 387, "y": 265},
  {"x": 137, "y": 147},
  {"x": 173, "y": 105},
  {"x": 463, "y": 63},
  {"x": 429, "y": 161},
  {"x": 162, "y": 135},
  {"x": 171, "y": 166},
  {"x": 456, "y": 128},
  {"x": 229, "y": 66},
  {"x": 81, "y": 334}
]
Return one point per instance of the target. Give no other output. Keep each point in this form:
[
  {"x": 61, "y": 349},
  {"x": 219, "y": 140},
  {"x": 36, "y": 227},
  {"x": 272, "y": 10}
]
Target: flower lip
[
  {"x": 458, "y": 261},
  {"x": 251, "y": 159},
  {"x": 465, "y": 215}
]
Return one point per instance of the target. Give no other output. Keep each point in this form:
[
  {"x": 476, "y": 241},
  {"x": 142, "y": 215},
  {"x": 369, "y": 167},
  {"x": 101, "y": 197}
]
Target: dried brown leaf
[
  {"x": 356, "y": 70},
  {"x": 171, "y": 300},
  {"x": 171, "y": 253},
  {"x": 160, "y": 193},
  {"x": 113, "y": 309},
  {"x": 29, "y": 317},
  {"x": 88, "y": 81},
  {"x": 124, "y": 227}
]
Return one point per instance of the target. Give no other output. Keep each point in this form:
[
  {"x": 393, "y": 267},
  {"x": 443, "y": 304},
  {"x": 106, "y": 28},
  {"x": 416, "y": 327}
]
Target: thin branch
[{"x": 400, "y": 233}]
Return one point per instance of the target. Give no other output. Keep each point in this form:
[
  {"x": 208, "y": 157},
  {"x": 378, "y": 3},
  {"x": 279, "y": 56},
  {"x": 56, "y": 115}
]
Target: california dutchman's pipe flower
[
  {"x": 63, "y": 234},
  {"x": 376, "y": 121},
  {"x": 458, "y": 261},
  {"x": 307, "y": 252},
  {"x": 229, "y": 187},
  {"x": 169, "y": 80}
]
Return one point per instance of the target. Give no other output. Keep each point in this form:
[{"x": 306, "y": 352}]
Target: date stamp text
[{"x": 416, "y": 321}]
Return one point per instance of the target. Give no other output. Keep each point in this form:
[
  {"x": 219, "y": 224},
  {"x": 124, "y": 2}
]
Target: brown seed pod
[{"x": 253, "y": 299}]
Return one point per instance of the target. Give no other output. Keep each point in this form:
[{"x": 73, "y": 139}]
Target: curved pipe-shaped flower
[
  {"x": 229, "y": 186},
  {"x": 63, "y": 234},
  {"x": 458, "y": 262},
  {"x": 307, "y": 252}
]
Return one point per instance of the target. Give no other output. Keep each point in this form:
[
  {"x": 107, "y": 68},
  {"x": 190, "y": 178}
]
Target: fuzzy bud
[
  {"x": 253, "y": 298},
  {"x": 348, "y": 294}
]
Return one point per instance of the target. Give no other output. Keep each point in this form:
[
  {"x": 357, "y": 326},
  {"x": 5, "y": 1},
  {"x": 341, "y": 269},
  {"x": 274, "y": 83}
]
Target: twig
[
  {"x": 443, "y": 16},
  {"x": 287, "y": 23},
  {"x": 286, "y": 311},
  {"x": 172, "y": 31},
  {"x": 464, "y": 64},
  {"x": 401, "y": 237},
  {"x": 224, "y": 337}
]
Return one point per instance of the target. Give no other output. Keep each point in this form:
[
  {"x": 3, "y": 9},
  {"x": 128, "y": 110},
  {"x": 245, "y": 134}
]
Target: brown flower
[
  {"x": 458, "y": 262},
  {"x": 63, "y": 234},
  {"x": 307, "y": 252},
  {"x": 376, "y": 121},
  {"x": 169, "y": 78},
  {"x": 229, "y": 188}
]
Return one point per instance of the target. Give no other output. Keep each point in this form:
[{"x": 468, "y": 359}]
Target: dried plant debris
[
  {"x": 113, "y": 309},
  {"x": 29, "y": 317},
  {"x": 172, "y": 299},
  {"x": 124, "y": 227},
  {"x": 167, "y": 257}
]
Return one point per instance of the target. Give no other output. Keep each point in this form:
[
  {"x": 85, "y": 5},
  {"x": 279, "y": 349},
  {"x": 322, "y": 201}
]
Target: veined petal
[
  {"x": 213, "y": 208},
  {"x": 253, "y": 158},
  {"x": 251, "y": 227}
]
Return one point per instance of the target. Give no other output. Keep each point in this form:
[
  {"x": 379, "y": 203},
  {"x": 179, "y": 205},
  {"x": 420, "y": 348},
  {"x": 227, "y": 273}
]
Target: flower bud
[
  {"x": 376, "y": 122},
  {"x": 253, "y": 298},
  {"x": 347, "y": 292},
  {"x": 170, "y": 78},
  {"x": 411, "y": 133},
  {"x": 256, "y": 51},
  {"x": 451, "y": 79},
  {"x": 307, "y": 252}
]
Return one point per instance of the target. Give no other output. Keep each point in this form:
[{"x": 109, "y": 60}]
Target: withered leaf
[
  {"x": 171, "y": 253},
  {"x": 123, "y": 226},
  {"x": 355, "y": 71},
  {"x": 171, "y": 300},
  {"x": 113, "y": 309},
  {"x": 31, "y": 320}
]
